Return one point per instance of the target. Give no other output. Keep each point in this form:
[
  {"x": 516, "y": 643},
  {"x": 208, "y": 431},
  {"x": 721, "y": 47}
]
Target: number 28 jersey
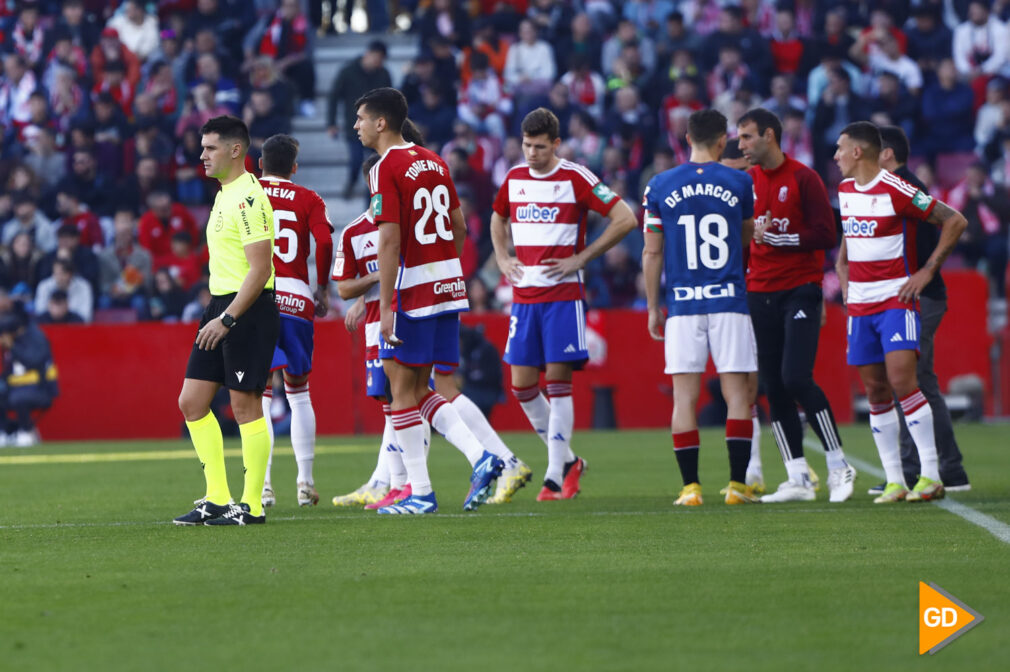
[
  {"x": 700, "y": 209},
  {"x": 411, "y": 188}
]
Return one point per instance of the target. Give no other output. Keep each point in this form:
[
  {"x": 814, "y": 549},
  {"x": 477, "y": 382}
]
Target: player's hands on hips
[
  {"x": 354, "y": 315},
  {"x": 656, "y": 323},
  {"x": 212, "y": 333},
  {"x": 322, "y": 298},
  {"x": 511, "y": 268},
  {"x": 912, "y": 290},
  {"x": 386, "y": 327},
  {"x": 559, "y": 268}
]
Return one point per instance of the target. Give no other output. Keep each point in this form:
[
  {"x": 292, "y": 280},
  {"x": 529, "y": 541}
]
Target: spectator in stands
[
  {"x": 677, "y": 37},
  {"x": 29, "y": 382},
  {"x": 797, "y": 140},
  {"x": 125, "y": 268},
  {"x": 287, "y": 40},
  {"x": 587, "y": 88},
  {"x": 69, "y": 248},
  {"x": 169, "y": 51},
  {"x": 929, "y": 39},
  {"x": 838, "y": 106},
  {"x": 444, "y": 19},
  {"x": 110, "y": 50},
  {"x": 583, "y": 141},
  {"x": 138, "y": 30},
  {"x": 947, "y": 104},
  {"x": 629, "y": 70},
  {"x": 199, "y": 108},
  {"x": 583, "y": 42},
  {"x": 987, "y": 210},
  {"x": 194, "y": 309},
  {"x": 512, "y": 155},
  {"x": 886, "y": 56},
  {"x": 263, "y": 77},
  {"x": 16, "y": 87},
  {"x": 161, "y": 85},
  {"x": 82, "y": 27},
  {"x": 94, "y": 189},
  {"x": 150, "y": 140},
  {"x": 58, "y": 310},
  {"x": 20, "y": 261},
  {"x": 22, "y": 179},
  {"x": 29, "y": 220},
  {"x": 228, "y": 20},
  {"x": 552, "y": 19},
  {"x": 627, "y": 33},
  {"x": 749, "y": 43},
  {"x": 486, "y": 40},
  {"x": 529, "y": 67},
  {"x": 75, "y": 215},
  {"x": 160, "y": 223},
  {"x": 785, "y": 45},
  {"x": 27, "y": 37},
  {"x": 78, "y": 290},
  {"x": 833, "y": 39},
  {"x": 483, "y": 104},
  {"x": 991, "y": 115},
  {"x": 183, "y": 262},
  {"x": 137, "y": 187},
  {"x": 893, "y": 105},
  {"x": 649, "y": 16},
  {"x": 206, "y": 44},
  {"x": 45, "y": 160},
  {"x": 632, "y": 128},
  {"x": 353, "y": 81},
  {"x": 226, "y": 93},
  {"x": 980, "y": 47},
  {"x": 1001, "y": 168},
  {"x": 263, "y": 121},
  {"x": 189, "y": 171},
  {"x": 64, "y": 53},
  {"x": 782, "y": 99},
  {"x": 66, "y": 99},
  {"x": 730, "y": 74},
  {"x": 167, "y": 299},
  {"x": 433, "y": 116}
]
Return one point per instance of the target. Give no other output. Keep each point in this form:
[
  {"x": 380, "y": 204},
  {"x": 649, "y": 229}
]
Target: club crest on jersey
[
  {"x": 783, "y": 194},
  {"x": 602, "y": 191},
  {"x": 376, "y": 205},
  {"x": 858, "y": 228},
  {"x": 533, "y": 213},
  {"x": 921, "y": 200}
]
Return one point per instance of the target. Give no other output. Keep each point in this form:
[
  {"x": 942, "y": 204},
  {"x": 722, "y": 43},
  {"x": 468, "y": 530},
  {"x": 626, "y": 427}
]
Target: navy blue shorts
[{"x": 294, "y": 347}]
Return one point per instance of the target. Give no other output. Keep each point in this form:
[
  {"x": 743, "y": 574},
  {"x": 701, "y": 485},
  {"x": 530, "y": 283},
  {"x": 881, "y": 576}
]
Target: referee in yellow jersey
[{"x": 235, "y": 343}]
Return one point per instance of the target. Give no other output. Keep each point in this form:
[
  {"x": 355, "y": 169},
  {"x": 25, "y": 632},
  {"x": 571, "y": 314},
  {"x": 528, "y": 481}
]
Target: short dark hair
[
  {"x": 280, "y": 152},
  {"x": 541, "y": 121},
  {"x": 732, "y": 149},
  {"x": 706, "y": 127},
  {"x": 377, "y": 46},
  {"x": 763, "y": 119},
  {"x": 411, "y": 133},
  {"x": 866, "y": 133},
  {"x": 228, "y": 127},
  {"x": 66, "y": 264},
  {"x": 387, "y": 103},
  {"x": 894, "y": 138}
]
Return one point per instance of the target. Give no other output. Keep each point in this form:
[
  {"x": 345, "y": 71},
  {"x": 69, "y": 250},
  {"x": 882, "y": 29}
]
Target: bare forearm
[
  {"x": 652, "y": 269},
  {"x": 953, "y": 226},
  {"x": 622, "y": 222},
  {"x": 499, "y": 235},
  {"x": 350, "y": 289}
]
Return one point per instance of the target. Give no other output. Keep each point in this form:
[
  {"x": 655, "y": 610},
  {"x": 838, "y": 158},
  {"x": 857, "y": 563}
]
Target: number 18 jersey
[
  {"x": 411, "y": 188},
  {"x": 700, "y": 209}
]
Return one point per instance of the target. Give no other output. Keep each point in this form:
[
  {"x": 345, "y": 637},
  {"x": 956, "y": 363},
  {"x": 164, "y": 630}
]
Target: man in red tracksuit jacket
[{"x": 794, "y": 224}]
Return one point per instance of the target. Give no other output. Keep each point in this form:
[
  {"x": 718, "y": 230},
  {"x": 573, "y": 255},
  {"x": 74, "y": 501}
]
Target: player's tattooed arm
[
  {"x": 501, "y": 236},
  {"x": 952, "y": 225},
  {"x": 652, "y": 270}
]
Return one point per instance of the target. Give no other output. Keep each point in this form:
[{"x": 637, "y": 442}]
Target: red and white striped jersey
[
  {"x": 357, "y": 256},
  {"x": 298, "y": 212},
  {"x": 879, "y": 241},
  {"x": 548, "y": 221},
  {"x": 411, "y": 188}
]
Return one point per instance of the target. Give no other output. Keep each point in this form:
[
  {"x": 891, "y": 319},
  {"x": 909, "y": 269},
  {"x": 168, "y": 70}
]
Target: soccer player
[
  {"x": 882, "y": 285},
  {"x": 421, "y": 292},
  {"x": 699, "y": 217},
  {"x": 794, "y": 225},
  {"x": 543, "y": 205},
  {"x": 235, "y": 342},
  {"x": 932, "y": 306},
  {"x": 298, "y": 213}
]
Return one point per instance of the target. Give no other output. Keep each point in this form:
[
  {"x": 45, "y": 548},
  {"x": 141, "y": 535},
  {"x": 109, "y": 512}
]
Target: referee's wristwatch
[{"x": 227, "y": 320}]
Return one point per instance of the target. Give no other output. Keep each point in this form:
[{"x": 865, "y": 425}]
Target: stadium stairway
[{"x": 322, "y": 160}]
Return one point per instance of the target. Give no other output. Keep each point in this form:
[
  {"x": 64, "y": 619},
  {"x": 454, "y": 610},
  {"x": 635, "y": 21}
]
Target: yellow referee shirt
[{"x": 241, "y": 215}]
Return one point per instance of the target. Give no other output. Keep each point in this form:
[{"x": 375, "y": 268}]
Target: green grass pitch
[{"x": 94, "y": 577}]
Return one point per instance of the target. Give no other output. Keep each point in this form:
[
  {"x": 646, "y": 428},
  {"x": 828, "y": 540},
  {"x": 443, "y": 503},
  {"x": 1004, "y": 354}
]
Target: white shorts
[{"x": 729, "y": 337}]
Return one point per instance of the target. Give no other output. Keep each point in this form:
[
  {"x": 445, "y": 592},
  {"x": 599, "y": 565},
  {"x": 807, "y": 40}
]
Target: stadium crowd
[{"x": 103, "y": 198}]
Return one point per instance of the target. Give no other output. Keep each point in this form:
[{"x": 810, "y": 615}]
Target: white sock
[
  {"x": 798, "y": 470},
  {"x": 481, "y": 428},
  {"x": 409, "y": 430},
  {"x": 268, "y": 400},
  {"x": 445, "y": 420},
  {"x": 559, "y": 430},
  {"x": 754, "y": 466},
  {"x": 536, "y": 407},
  {"x": 884, "y": 423},
  {"x": 919, "y": 419},
  {"x": 394, "y": 456},
  {"x": 303, "y": 430}
]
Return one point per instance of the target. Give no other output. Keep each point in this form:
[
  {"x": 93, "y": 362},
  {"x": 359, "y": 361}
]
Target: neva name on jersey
[
  {"x": 707, "y": 189},
  {"x": 275, "y": 191}
]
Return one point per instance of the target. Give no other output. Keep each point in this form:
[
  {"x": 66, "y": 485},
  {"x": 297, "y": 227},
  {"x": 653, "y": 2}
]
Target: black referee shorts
[{"x": 242, "y": 360}]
